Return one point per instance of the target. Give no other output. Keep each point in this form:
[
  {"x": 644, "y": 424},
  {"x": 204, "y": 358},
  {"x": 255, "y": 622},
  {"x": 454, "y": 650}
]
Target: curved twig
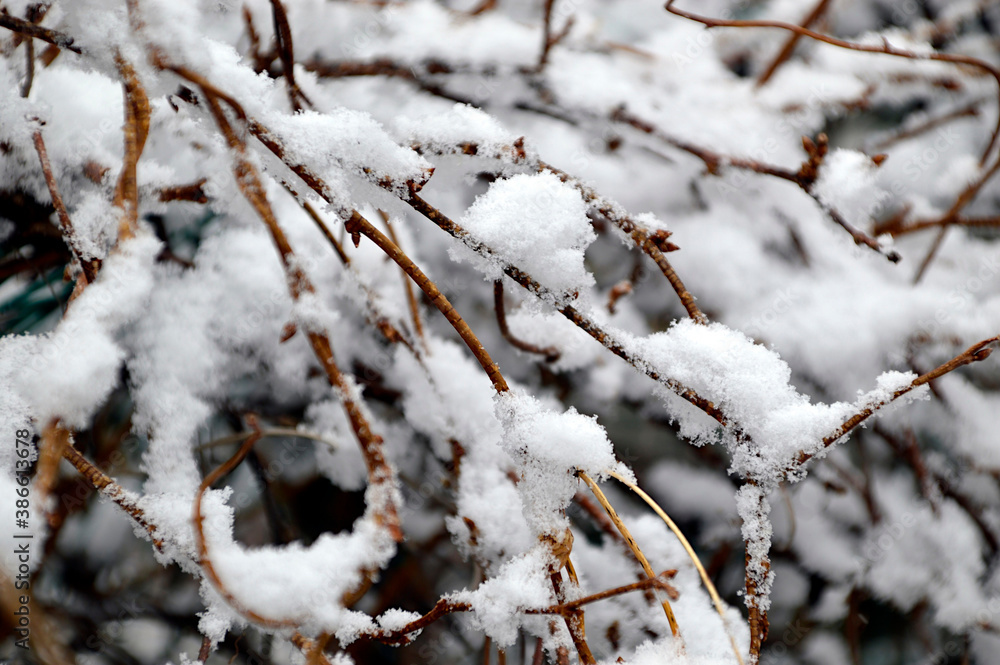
[
  {"x": 204, "y": 560},
  {"x": 550, "y": 352},
  {"x": 706, "y": 580},
  {"x": 627, "y": 535}
]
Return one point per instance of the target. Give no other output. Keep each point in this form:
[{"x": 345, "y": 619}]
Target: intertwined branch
[{"x": 235, "y": 127}]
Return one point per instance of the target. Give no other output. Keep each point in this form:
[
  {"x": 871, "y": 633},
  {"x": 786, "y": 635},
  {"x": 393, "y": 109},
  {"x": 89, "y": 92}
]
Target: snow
[
  {"x": 847, "y": 184},
  {"x": 922, "y": 555},
  {"x": 396, "y": 619},
  {"x": 548, "y": 447},
  {"x": 534, "y": 222},
  {"x": 753, "y": 507},
  {"x": 343, "y": 143},
  {"x": 74, "y": 368},
  {"x": 750, "y": 383},
  {"x": 521, "y": 584},
  {"x": 443, "y": 133},
  {"x": 296, "y": 583},
  {"x": 807, "y": 328},
  {"x": 342, "y": 463}
]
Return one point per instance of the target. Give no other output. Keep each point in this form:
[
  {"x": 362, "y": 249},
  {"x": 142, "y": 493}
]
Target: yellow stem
[
  {"x": 627, "y": 535},
  {"x": 691, "y": 553}
]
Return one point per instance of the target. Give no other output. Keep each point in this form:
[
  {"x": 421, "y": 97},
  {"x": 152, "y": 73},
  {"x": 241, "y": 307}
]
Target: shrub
[{"x": 348, "y": 307}]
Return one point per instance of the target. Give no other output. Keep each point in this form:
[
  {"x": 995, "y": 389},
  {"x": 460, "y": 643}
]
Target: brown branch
[
  {"x": 359, "y": 224},
  {"x": 932, "y": 251},
  {"x": 193, "y": 192},
  {"x": 89, "y": 266},
  {"x": 29, "y": 29},
  {"x": 658, "y": 582},
  {"x": 109, "y": 488},
  {"x": 960, "y": 220},
  {"x": 386, "y": 67},
  {"x": 860, "y": 237},
  {"x": 283, "y": 37},
  {"x": 441, "y": 608},
  {"x": 605, "y": 524},
  {"x": 975, "y": 353},
  {"x": 633, "y": 546},
  {"x": 964, "y": 199},
  {"x": 550, "y": 352},
  {"x": 411, "y": 298},
  {"x": 29, "y": 67},
  {"x": 581, "y": 321},
  {"x": 261, "y": 61},
  {"x": 54, "y": 441},
  {"x": 483, "y": 7},
  {"x": 970, "y": 111},
  {"x": 885, "y": 48},
  {"x": 805, "y": 177},
  {"x": 793, "y": 39},
  {"x": 327, "y": 233},
  {"x": 713, "y": 161},
  {"x": 909, "y": 451},
  {"x": 619, "y": 291},
  {"x": 137, "y": 114},
  {"x": 204, "y": 559},
  {"x": 758, "y": 620},
  {"x": 573, "y": 618},
  {"x": 639, "y": 235},
  {"x": 550, "y": 39},
  {"x": 374, "y": 316},
  {"x": 379, "y": 471}
]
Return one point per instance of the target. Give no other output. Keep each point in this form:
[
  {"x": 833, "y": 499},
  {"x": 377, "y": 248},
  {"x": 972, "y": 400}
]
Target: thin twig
[
  {"x": 580, "y": 320},
  {"x": 356, "y": 223},
  {"x": 657, "y": 582},
  {"x": 885, "y": 48},
  {"x": 89, "y": 266},
  {"x": 379, "y": 471},
  {"x": 793, "y": 39},
  {"x": 101, "y": 482},
  {"x": 968, "y": 222},
  {"x": 361, "y": 225},
  {"x": 573, "y": 619},
  {"x": 805, "y": 177},
  {"x": 550, "y": 352},
  {"x": 706, "y": 580},
  {"x": 627, "y": 535},
  {"x": 204, "y": 558},
  {"x": 411, "y": 298},
  {"x": 29, "y": 29},
  {"x": 975, "y": 353},
  {"x": 970, "y": 111},
  {"x": 29, "y": 67},
  {"x": 550, "y": 39},
  {"x": 644, "y": 240},
  {"x": 54, "y": 441},
  {"x": 137, "y": 115},
  {"x": 283, "y": 37}
]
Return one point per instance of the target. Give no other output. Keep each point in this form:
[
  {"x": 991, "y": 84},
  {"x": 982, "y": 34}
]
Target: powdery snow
[
  {"x": 750, "y": 384},
  {"x": 534, "y": 222},
  {"x": 548, "y": 448}
]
